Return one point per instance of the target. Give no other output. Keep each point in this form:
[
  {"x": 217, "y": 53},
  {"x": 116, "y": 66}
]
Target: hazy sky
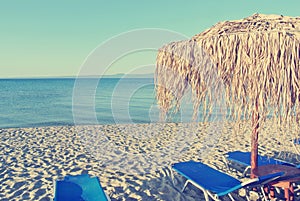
[{"x": 54, "y": 38}]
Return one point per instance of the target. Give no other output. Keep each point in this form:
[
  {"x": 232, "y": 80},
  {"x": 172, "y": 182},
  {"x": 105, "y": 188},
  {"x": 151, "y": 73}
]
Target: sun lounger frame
[
  {"x": 236, "y": 156},
  {"x": 256, "y": 182}
]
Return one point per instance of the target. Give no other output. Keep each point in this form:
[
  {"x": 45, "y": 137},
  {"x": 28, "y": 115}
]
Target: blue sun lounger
[
  {"x": 214, "y": 183},
  {"x": 79, "y": 188},
  {"x": 244, "y": 159}
]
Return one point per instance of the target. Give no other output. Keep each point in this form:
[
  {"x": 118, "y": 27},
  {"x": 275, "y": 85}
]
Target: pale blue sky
[{"x": 53, "y": 38}]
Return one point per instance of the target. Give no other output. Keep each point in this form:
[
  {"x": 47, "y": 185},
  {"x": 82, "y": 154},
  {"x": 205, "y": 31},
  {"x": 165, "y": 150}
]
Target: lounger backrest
[{"x": 263, "y": 179}]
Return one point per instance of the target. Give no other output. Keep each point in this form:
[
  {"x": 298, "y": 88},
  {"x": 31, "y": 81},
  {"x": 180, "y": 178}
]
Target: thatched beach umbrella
[{"x": 255, "y": 60}]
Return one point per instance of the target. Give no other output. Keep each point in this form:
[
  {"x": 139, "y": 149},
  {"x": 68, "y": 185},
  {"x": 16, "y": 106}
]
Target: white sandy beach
[{"x": 132, "y": 161}]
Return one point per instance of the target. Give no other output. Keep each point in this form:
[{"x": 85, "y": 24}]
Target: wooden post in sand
[{"x": 254, "y": 139}]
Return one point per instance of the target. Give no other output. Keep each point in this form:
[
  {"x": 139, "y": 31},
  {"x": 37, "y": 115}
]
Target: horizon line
[{"x": 117, "y": 75}]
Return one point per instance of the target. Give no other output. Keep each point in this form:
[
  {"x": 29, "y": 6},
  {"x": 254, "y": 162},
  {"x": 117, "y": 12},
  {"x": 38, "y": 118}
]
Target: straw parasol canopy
[{"x": 252, "y": 64}]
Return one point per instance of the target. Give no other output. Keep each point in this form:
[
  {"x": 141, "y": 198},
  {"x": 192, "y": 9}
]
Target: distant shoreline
[{"x": 150, "y": 75}]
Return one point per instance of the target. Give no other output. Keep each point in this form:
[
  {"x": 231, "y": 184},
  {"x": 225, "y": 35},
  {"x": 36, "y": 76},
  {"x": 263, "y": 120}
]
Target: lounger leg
[
  {"x": 245, "y": 171},
  {"x": 206, "y": 196},
  {"x": 206, "y": 193},
  {"x": 226, "y": 162},
  {"x": 296, "y": 149},
  {"x": 263, "y": 191},
  {"x": 172, "y": 178},
  {"x": 247, "y": 197},
  {"x": 231, "y": 197},
  {"x": 186, "y": 183},
  {"x": 292, "y": 193}
]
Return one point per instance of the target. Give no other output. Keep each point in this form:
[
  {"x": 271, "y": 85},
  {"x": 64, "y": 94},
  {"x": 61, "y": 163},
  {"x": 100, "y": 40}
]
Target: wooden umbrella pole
[{"x": 254, "y": 140}]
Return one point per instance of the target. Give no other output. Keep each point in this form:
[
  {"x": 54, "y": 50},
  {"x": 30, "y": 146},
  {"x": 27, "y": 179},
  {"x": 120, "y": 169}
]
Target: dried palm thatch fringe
[{"x": 255, "y": 62}]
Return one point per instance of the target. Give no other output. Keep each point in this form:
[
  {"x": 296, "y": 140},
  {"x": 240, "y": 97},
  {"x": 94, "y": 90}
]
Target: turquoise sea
[{"x": 69, "y": 101}]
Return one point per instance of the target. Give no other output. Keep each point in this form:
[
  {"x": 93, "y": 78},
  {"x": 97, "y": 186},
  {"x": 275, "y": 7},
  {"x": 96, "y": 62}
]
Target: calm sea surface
[{"x": 51, "y": 102}]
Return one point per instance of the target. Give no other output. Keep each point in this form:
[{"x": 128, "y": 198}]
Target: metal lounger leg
[
  {"x": 172, "y": 178},
  {"x": 186, "y": 183},
  {"x": 229, "y": 195},
  {"x": 206, "y": 194},
  {"x": 264, "y": 193},
  {"x": 226, "y": 162},
  {"x": 246, "y": 170}
]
